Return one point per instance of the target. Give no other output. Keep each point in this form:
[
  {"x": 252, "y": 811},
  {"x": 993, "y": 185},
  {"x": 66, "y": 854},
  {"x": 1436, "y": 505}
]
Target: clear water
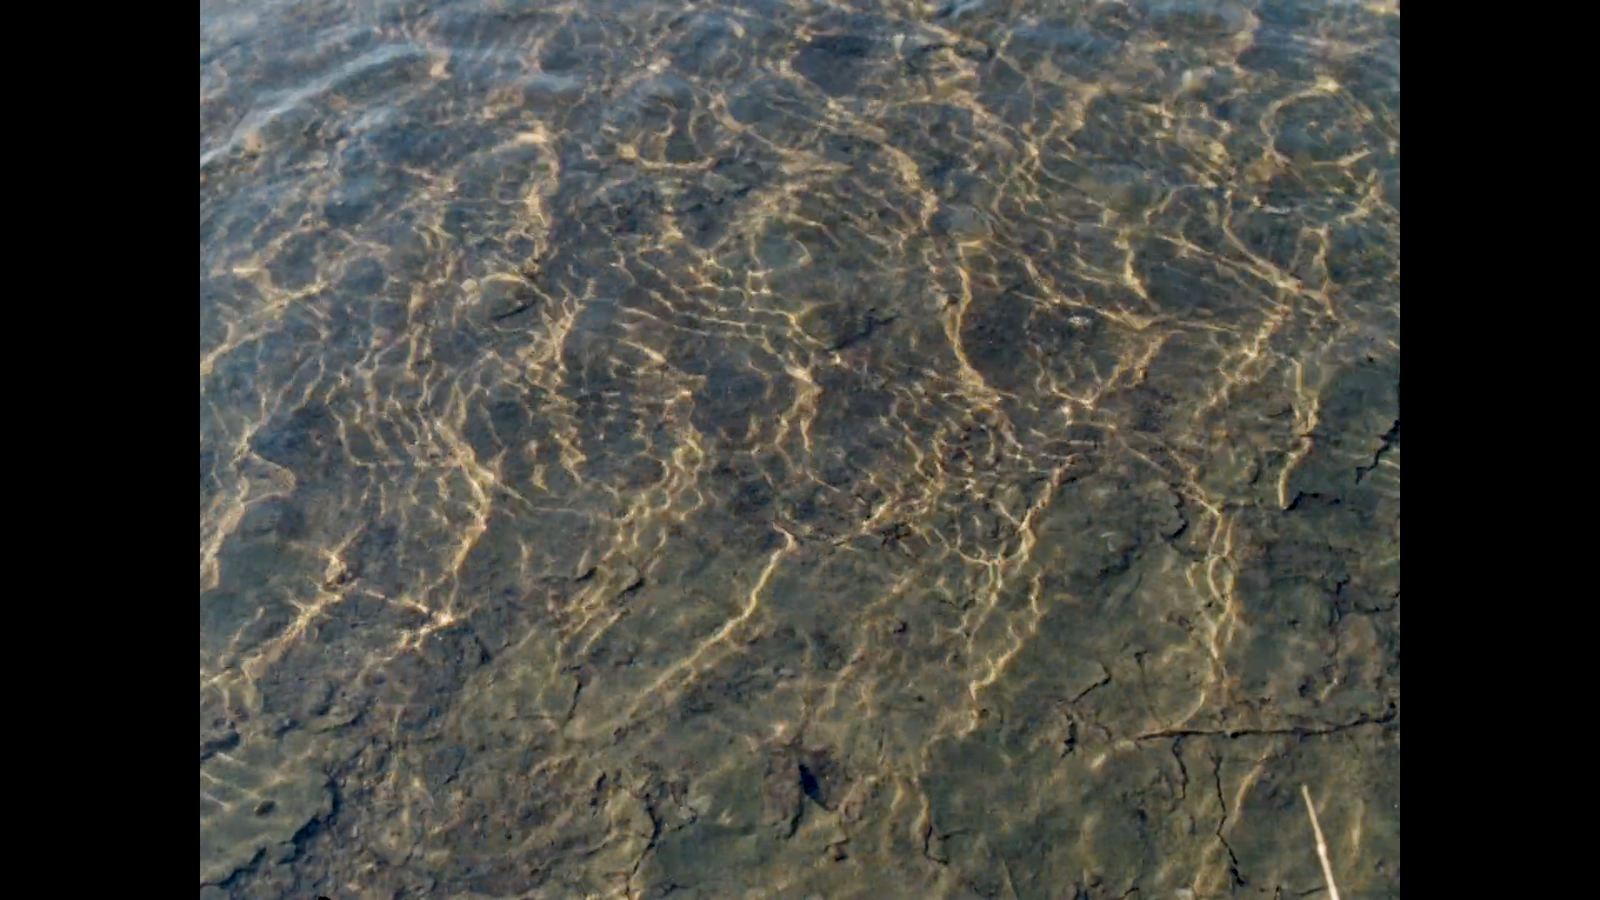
[{"x": 768, "y": 449}]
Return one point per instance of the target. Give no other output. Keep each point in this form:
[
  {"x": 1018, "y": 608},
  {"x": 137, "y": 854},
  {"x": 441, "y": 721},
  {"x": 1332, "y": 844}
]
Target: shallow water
[{"x": 765, "y": 449}]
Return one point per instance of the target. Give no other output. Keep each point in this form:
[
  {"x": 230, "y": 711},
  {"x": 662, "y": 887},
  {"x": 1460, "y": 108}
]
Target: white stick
[{"x": 1322, "y": 846}]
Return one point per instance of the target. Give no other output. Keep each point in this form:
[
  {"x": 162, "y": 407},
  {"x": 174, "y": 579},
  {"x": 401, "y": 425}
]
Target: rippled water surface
[{"x": 799, "y": 449}]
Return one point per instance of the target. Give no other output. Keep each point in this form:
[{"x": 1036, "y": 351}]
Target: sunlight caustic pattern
[{"x": 814, "y": 448}]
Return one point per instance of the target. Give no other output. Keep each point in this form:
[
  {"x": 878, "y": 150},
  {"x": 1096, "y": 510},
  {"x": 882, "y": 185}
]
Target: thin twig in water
[{"x": 1322, "y": 845}]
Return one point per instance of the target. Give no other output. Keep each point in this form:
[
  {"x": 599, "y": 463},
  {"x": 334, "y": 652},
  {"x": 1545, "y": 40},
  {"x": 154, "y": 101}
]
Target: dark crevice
[
  {"x": 1301, "y": 497},
  {"x": 1390, "y": 439},
  {"x": 1105, "y": 679},
  {"x": 809, "y": 785},
  {"x": 1183, "y": 771},
  {"x": 1235, "y": 876},
  {"x": 1300, "y": 731}
]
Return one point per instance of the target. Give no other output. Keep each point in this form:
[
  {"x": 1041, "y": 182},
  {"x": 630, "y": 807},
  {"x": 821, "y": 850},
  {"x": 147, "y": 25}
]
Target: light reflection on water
[{"x": 798, "y": 449}]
